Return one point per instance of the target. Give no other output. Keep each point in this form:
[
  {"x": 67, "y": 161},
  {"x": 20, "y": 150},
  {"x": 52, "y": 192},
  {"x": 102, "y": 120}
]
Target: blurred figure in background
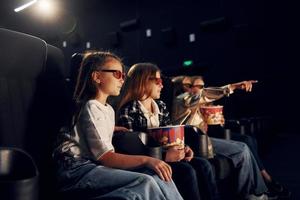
[{"x": 194, "y": 95}]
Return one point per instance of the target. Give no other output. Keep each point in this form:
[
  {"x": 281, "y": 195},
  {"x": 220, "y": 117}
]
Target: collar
[
  {"x": 154, "y": 105},
  {"x": 99, "y": 104}
]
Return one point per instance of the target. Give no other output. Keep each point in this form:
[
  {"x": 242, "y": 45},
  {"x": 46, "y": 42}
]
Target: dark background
[{"x": 235, "y": 40}]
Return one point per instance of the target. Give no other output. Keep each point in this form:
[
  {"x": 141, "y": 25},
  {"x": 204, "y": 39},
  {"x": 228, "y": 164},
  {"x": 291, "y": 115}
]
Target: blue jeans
[
  {"x": 206, "y": 178},
  {"x": 83, "y": 178},
  {"x": 252, "y": 144},
  {"x": 250, "y": 180},
  {"x": 185, "y": 178}
]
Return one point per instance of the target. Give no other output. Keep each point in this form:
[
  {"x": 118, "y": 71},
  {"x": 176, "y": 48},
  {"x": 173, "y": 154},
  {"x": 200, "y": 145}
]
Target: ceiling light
[{"x": 25, "y": 6}]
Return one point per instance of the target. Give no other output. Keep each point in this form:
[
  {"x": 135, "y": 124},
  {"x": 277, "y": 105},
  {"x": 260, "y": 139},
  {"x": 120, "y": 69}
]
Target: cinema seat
[{"x": 33, "y": 100}]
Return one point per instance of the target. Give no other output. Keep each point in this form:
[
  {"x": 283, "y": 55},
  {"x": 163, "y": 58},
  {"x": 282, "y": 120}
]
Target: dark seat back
[
  {"x": 33, "y": 101},
  {"x": 22, "y": 59}
]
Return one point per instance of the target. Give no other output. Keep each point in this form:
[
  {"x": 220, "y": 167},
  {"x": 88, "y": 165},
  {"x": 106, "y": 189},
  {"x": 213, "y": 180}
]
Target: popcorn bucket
[
  {"x": 168, "y": 136},
  {"x": 213, "y": 115}
]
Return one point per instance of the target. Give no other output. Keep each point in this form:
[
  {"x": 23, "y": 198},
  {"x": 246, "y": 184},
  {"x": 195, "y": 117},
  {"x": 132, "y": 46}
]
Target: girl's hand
[
  {"x": 175, "y": 154},
  {"x": 120, "y": 128},
  {"x": 163, "y": 170},
  {"x": 189, "y": 154}
]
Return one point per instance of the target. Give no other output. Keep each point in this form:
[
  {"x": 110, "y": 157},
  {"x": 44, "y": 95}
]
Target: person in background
[
  {"x": 210, "y": 95},
  {"x": 85, "y": 157},
  {"x": 140, "y": 109},
  {"x": 185, "y": 86},
  {"x": 185, "y": 110}
]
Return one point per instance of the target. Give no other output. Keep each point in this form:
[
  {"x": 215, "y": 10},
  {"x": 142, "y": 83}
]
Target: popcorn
[
  {"x": 213, "y": 115},
  {"x": 168, "y": 136}
]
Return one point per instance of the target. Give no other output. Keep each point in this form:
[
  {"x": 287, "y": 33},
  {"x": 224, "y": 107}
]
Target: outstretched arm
[{"x": 244, "y": 85}]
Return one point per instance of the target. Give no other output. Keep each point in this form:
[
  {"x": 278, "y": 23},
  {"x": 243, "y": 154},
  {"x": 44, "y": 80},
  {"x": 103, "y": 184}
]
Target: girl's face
[
  {"x": 156, "y": 86},
  {"x": 110, "y": 78}
]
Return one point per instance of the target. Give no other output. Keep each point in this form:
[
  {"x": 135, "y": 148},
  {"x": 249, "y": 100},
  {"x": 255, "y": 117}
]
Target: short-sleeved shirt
[{"x": 94, "y": 129}]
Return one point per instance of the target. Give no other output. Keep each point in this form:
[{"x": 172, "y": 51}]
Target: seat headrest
[{"x": 21, "y": 55}]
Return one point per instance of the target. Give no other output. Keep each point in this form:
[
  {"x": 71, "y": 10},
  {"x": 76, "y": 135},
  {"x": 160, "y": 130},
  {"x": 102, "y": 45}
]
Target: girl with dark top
[{"x": 140, "y": 109}]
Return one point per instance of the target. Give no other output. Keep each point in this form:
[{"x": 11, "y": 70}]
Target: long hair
[
  {"x": 137, "y": 82},
  {"x": 86, "y": 88}
]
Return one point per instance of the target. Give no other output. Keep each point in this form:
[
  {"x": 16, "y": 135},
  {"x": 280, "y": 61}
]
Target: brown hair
[
  {"x": 92, "y": 61},
  {"x": 86, "y": 88},
  {"x": 196, "y": 77},
  {"x": 137, "y": 82}
]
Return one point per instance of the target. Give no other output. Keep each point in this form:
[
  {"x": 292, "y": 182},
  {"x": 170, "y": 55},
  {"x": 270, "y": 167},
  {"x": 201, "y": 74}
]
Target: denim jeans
[
  {"x": 195, "y": 179},
  {"x": 186, "y": 180},
  {"x": 252, "y": 144},
  {"x": 249, "y": 180},
  {"x": 83, "y": 178},
  {"x": 206, "y": 178}
]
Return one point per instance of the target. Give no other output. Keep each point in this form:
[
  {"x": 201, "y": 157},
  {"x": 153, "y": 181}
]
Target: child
[
  {"x": 87, "y": 163},
  {"x": 140, "y": 109},
  {"x": 206, "y": 95},
  {"x": 188, "y": 96}
]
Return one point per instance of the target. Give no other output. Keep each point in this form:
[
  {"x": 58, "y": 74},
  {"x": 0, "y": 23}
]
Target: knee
[
  {"x": 248, "y": 140},
  {"x": 191, "y": 176},
  {"x": 242, "y": 146},
  {"x": 205, "y": 166},
  {"x": 146, "y": 178},
  {"x": 189, "y": 172},
  {"x": 245, "y": 150}
]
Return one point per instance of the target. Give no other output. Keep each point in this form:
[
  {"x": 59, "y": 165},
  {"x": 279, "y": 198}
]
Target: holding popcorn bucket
[
  {"x": 168, "y": 136},
  {"x": 213, "y": 115}
]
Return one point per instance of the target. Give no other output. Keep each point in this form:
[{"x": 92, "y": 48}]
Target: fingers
[
  {"x": 164, "y": 171},
  {"x": 188, "y": 158},
  {"x": 159, "y": 173},
  {"x": 192, "y": 153},
  {"x": 181, "y": 155},
  {"x": 189, "y": 154},
  {"x": 170, "y": 169},
  {"x": 247, "y": 85}
]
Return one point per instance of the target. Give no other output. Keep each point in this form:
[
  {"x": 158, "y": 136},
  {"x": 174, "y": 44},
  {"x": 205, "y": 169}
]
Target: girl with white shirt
[{"x": 87, "y": 163}]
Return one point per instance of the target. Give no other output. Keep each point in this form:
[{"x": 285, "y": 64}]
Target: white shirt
[
  {"x": 94, "y": 129},
  {"x": 152, "y": 117}
]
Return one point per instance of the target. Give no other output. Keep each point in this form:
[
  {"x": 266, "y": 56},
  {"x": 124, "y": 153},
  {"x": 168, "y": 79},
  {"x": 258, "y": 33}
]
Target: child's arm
[{"x": 122, "y": 161}]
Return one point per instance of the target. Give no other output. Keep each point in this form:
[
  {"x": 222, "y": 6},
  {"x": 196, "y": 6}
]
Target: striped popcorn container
[{"x": 168, "y": 136}]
